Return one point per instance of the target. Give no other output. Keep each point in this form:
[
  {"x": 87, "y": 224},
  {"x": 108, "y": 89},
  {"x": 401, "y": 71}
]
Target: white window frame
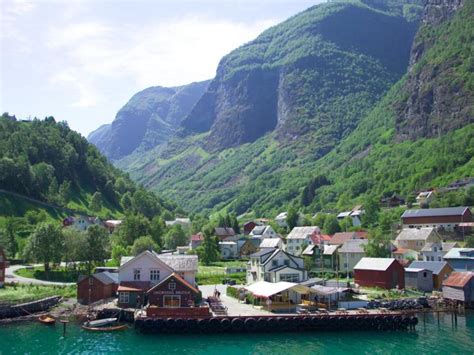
[
  {"x": 124, "y": 297},
  {"x": 154, "y": 275},
  {"x": 136, "y": 274}
]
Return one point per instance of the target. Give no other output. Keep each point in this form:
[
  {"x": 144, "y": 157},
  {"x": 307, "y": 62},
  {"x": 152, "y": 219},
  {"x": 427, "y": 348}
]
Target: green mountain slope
[
  {"x": 45, "y": 165},
  {"x": 278, "y": 104},
  {"x": 148, "y": 119}
]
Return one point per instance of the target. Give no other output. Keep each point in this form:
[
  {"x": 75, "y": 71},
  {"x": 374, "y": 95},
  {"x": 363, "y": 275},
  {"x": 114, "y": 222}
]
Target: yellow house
[{"x": 416, "y": 238}]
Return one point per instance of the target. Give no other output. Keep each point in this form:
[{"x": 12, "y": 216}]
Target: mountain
[
  {"x": 148, "y": 119},
  {"x": 344, "y": 91},
  {"x": 46, "y": 165},
  {"x": 319, "y": 71},
  {"x": 421, "y": 134}
]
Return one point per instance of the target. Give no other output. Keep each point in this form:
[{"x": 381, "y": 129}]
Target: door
[{"x": 171, "y": 301}]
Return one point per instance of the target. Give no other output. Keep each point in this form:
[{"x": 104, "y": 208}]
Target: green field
[
  {"x": 25, "y": 293},
  {"x": 215, "y": 273},
  {"x": 55, "y": 275}
]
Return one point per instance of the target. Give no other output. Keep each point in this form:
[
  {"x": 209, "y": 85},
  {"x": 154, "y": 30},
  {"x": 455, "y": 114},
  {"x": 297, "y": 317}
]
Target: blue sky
[{"x": 82, "y": 60}]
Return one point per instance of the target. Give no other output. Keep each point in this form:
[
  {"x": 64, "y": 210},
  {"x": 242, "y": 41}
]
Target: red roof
[
  {"x": 320, "y": 238},
  {"x": 400, "y": 251},
  {"x": 341, "y": 237},
  {"x": 458, "y": 279},
  {"x": 197, "y": 237},
  {"x": 134, "y": 286}
]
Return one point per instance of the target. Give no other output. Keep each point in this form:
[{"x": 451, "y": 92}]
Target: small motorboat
[
  {"x": 100, "y": 322},
  {"x": 47, "y": 319},
  {"x": 105, "y": 329}
]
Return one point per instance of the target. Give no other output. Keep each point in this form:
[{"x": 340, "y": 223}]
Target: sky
[{"x": 82, "y": 60}]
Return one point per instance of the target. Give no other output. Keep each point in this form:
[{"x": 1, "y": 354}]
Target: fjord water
[{"x": 429, "y": 338}]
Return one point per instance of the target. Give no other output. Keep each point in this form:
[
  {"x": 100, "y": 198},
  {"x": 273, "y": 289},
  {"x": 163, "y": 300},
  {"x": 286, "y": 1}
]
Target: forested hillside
[{"x": 46, "y": 161}]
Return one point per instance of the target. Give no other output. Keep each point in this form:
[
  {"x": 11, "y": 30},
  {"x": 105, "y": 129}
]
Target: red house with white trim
[{"x": 385, "y": 273}]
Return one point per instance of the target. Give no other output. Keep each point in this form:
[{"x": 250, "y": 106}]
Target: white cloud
[{"x": 169, "y": 53}]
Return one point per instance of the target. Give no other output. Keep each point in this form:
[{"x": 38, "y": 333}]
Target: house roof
[
  {"x": 180, "y": 263},
  {"x": 402, "y": 251},
  {"x": 309, "y": 250},
  {"x": 270, "y": 243},
  {"x": 424, "y": 194},
  {"x": 414, "y": 269},
  {"x": 179, "y": 279},
  {"x": 303, "y": 232},
  {"x": 320, "y": 238},
  {"x": 445, "y": 247},
  {"x": 330, "y": 249},
  {"x": 281, "y": 215},
  {"x": 458, "y": 279},
  {"x": 266, "y": 289},
  {"x": 107, "y": 278},
  {"x": 281, "y": 267},
  {"x": 416, "y": 234},
  {"x": 435, "y": 266},
  {"x": 262, "y": 252},
  {"x": 134, "y": 286},
  {"x": 344, "y": 214},
  {"x": 224, "y": 231},
  {"x": 197, "y": 237},
  {"x": 258, "y": 230},
  {"x": 353, "y": 246},
  {"x": 460, "y": 253},
  {"x": 341, "y": 237},
  {"x": 435, "y": 212},
  {"x": 378, "y": 264}
]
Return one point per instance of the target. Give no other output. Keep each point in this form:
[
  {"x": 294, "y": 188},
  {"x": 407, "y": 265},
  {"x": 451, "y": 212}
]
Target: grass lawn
[
  {"x": 56, "y": 275},
  {"x": 379, "y": 293},
  {"x": 215, "y": 273},
  {"x": 25, "y": 293}
]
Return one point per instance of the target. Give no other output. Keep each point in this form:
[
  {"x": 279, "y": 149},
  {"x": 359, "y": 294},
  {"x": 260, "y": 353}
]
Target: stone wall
[{"x": 26, "y": 309}]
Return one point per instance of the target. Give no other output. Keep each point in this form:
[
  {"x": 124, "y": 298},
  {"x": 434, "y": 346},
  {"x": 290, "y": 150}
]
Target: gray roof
[
  {"x": 414, "y": 269},
  {"x": 107, "y": 278},
  {"x": 415, "y": 233},
  {"x": 434, "y": 266},
  {"x": 262, "y": 252},
  {"x": 180, "y": 263},
  {"x": 435, "y": 212},
  {"x": 330, "y": 249},
  {"x": 270, "y": 243},
  {"x": 353, "y": 246},
  {"x": 302, "y": 232},
  {"x": 445, "y": 247},
  {"x": 379, "y": 264},
  {"x": 258, "y": 230},
  {"x": 460, "y": 253}
]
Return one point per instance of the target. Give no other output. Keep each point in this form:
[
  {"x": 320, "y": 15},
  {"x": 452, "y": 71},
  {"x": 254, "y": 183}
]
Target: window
[
  {"x": 136, "y": 274},
  {"x": 439, "y": 258},
  {"x": 172, "y": 286},
  {"x": 154, "y": 275},
  {"x": 171, "y": 301},
  {"x": 274, "y": 262},
  {"x": 290, "y": 277},
  {"x": 424, "y": 274},
  {"x": 286, "y": 262},
  {"x": 124, "y": 297}
]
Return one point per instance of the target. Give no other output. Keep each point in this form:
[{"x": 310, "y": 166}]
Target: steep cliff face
[
  {"x": 150, "y": 118},
  {"x": 319, "y": 70},
  {"x": 439, "y": 86}
]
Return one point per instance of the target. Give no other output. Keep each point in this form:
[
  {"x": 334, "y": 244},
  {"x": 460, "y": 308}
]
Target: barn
[
  {"x": 449, "y": 217},
  {"x": 385, "y": 273},
  {"x": 459, "y": 286},
  {"x": 97, "y": 287}
]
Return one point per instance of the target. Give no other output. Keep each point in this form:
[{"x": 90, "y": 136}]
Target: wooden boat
[
  {"x": 46, "y": 319},
  {"x": 100, "y": 322},
  {"x": 105, "y": 329}
]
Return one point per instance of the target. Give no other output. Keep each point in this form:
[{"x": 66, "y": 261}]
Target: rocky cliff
[
  {"x": 439, "y": 86},
  {"x": 317, "y": 71},
  {"x": 150, "y": 118}
]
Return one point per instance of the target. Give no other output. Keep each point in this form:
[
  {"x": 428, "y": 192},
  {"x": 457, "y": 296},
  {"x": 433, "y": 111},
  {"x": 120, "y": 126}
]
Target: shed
[
  {"x": 419, "y": 279},
  {"x": 379, "y": 272},
  {"x": 459, "y": 286},
  {"x": 97, "y": 287},
  {"x": 440, "y": 270}
]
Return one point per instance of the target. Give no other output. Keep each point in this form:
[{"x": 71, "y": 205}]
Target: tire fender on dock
[
  {"x": 237, "y": 324},
  {"x": 250, "y": 324}
]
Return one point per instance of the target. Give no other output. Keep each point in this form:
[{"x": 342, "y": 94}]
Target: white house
[
  {"x": 229, "y": 250},
  {"x": 416, "y": 238},
  {"x": 263, "y": 232},
  {"x": 299, "y": 238},
  {"x": 355, "y": 214},
  {"x": 184, "y": 222},
  {"x": 425, "y": 197},
  {"x": 350, "y": 253},
  {"x": 435, "y": 251},
  {"x": 275, "y": 265},
  {"x": 281, "y": 219}
]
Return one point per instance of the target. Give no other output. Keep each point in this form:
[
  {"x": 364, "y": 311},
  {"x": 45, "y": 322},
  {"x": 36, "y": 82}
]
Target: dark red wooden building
[
  {"x": 174, "y": 292},
  {"x": 385, "y": 273},
  {"x": 249, "y": 226},
  {"x": 97, "y": 287},
  {"x": 448, "y": 218},
  {"x": 3, "y": 266}
]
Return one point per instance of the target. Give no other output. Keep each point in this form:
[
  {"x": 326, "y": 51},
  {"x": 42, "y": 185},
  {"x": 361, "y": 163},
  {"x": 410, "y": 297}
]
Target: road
[
  {"x": 234, "y": 307},
  {"x": 10, "y": 276}
]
